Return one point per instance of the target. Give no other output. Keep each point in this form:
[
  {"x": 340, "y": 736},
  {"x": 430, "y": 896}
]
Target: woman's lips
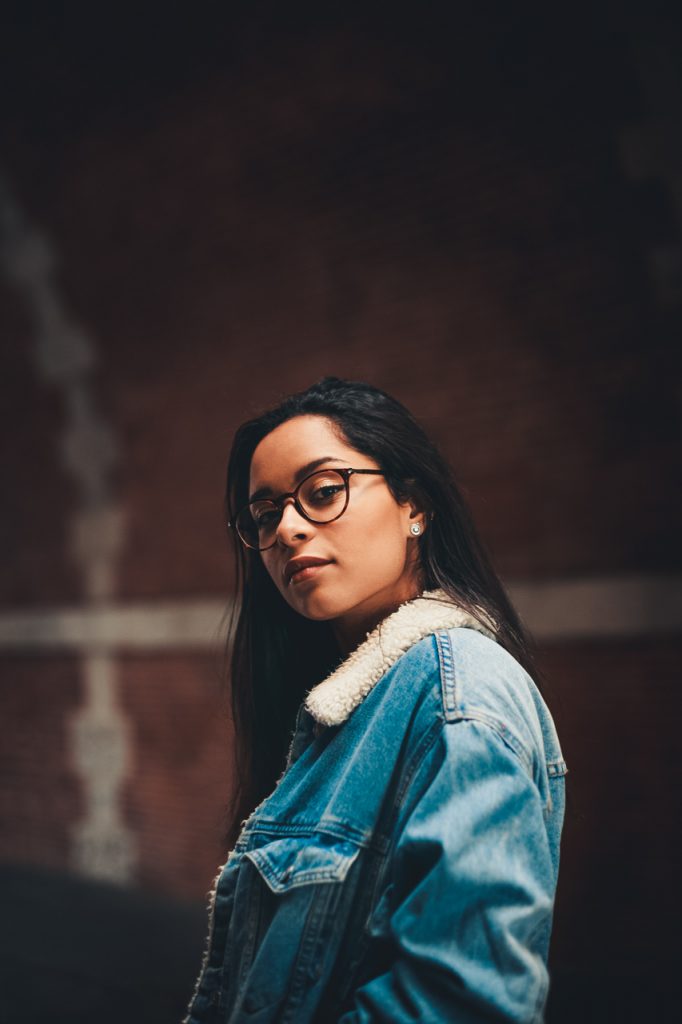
[{"x": 307, "y": 573}]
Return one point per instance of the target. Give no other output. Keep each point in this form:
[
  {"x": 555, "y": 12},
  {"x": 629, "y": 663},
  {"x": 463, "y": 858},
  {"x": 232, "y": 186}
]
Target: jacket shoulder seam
[
  {"x": 498, "y": 726},
  {"x": 454, "y": 710}
]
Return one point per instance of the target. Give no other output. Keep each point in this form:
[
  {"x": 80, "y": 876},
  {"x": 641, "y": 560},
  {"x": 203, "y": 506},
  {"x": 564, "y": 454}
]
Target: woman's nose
[{"x": 292, "y": 523}]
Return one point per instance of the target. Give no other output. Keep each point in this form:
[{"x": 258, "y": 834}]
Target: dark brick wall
[
  {"x": 40, "y": 798},
  {"x": 176, "y": 796},
  {"x": 612, "y": 703},
  {"x": 299, "y": 212}
]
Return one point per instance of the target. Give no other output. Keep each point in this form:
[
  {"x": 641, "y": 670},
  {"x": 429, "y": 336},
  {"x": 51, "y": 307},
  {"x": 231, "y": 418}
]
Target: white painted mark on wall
[
  {"x": 102, "y": 847},
  {"x": 64, "y": 355}
]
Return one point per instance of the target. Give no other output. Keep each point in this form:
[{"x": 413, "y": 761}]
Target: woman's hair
[{"x": 277, "y": 654}]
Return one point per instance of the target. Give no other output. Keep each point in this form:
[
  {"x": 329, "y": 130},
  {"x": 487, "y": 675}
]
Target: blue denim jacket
[{"x": 404, "y": 868}]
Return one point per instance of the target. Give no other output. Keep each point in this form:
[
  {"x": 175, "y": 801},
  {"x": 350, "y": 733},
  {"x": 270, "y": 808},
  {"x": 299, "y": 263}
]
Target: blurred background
[{"x": 475, "y": 207}]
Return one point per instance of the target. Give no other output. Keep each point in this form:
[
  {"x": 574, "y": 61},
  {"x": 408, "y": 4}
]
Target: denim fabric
[{"x": 404, "y": 868}]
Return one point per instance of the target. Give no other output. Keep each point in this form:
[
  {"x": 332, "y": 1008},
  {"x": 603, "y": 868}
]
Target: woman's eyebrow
[{"x": 266, "y": 492}]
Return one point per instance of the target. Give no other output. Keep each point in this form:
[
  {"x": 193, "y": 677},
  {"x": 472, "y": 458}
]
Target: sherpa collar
[{"x": 332, "y": 700}]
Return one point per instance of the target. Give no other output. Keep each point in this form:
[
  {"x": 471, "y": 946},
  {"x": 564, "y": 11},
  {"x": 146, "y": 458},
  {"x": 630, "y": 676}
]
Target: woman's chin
[{"x": 315, "y": 606}]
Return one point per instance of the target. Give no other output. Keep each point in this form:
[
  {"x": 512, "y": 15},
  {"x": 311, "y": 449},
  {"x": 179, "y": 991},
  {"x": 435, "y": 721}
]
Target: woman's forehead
[{"x": 293, "y": 445}]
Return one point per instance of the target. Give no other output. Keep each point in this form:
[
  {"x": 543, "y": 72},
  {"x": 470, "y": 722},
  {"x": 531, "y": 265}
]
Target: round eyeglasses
[{"x": 321, "y": 497}]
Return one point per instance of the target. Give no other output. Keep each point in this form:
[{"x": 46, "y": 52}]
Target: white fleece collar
[{"x": 332, "y": 700}]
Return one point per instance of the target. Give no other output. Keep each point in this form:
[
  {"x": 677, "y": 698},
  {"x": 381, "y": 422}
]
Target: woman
[{"x": 401, "y": 860}]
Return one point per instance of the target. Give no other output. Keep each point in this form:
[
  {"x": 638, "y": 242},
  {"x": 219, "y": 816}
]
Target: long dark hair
[{"x": 278, "y": 655}]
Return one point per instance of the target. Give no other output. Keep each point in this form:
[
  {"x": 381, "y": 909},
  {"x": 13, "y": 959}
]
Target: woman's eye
[
  {"x": 265, "y": 518},
  {"x": 326, "y": 493}
]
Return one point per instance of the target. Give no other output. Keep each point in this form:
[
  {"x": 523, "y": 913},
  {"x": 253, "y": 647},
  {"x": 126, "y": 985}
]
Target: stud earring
[{"x": 415, "y": 529}]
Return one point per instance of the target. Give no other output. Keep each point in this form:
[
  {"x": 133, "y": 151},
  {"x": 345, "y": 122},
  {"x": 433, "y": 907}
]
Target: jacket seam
[
  {"x": 329, "y": 827},
  {"x": 509, "y": 738},
  {"x": 454, "y": 712}
]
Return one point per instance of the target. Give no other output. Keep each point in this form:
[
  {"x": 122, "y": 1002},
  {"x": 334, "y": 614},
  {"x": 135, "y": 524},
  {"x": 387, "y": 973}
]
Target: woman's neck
[{"x": 351, "y": 629}]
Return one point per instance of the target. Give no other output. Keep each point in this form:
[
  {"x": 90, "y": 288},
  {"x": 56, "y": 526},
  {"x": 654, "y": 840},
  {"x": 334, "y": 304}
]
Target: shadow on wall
[{"x": 84, "y": 952}]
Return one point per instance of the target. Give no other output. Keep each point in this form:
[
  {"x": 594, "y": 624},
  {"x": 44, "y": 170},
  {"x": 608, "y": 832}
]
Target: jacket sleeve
[{"x": 470, "y": 906}]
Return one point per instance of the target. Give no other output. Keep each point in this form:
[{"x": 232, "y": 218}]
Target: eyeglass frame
[{"x": 345, "y": 474}]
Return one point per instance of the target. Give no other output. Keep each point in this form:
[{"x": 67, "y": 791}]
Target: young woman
[{"x": 399, "y": 772}]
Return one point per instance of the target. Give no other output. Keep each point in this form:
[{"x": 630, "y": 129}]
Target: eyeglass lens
[{"x": 322, "y": 497}]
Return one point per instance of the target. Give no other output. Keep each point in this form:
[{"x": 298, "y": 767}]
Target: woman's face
[{"x": 371, "y": 562}]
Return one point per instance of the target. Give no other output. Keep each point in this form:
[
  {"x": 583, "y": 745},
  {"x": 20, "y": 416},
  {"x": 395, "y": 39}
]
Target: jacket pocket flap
[{"x": 299, "y": 860}]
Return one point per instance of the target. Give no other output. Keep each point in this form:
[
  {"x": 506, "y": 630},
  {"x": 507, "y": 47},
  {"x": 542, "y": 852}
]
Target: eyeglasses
[{"x": 321, "y": 497}]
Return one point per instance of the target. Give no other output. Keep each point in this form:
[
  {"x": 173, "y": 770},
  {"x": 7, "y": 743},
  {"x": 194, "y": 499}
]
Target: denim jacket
[{"x": 405, "y": 866}]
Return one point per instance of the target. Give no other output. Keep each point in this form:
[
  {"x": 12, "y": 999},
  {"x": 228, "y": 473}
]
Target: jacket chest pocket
[{"x": 288, "y": 917}]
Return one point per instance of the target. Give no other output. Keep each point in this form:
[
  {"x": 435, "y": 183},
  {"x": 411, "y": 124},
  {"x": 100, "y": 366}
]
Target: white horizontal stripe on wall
[
  {"x": 552, "y": 610},
  {"x": 162, "y": 625},
  {"x": 619, "y": 606}
]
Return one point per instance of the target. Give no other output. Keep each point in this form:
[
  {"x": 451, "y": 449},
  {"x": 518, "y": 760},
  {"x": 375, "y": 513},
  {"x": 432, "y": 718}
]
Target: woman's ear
[{"x": 416, "y": 518}]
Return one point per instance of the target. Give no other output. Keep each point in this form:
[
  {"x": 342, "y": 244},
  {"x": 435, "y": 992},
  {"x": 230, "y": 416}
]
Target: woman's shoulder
[
  {"x": 461, "y": 674},
  {"x": 472, "y": 670}
]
